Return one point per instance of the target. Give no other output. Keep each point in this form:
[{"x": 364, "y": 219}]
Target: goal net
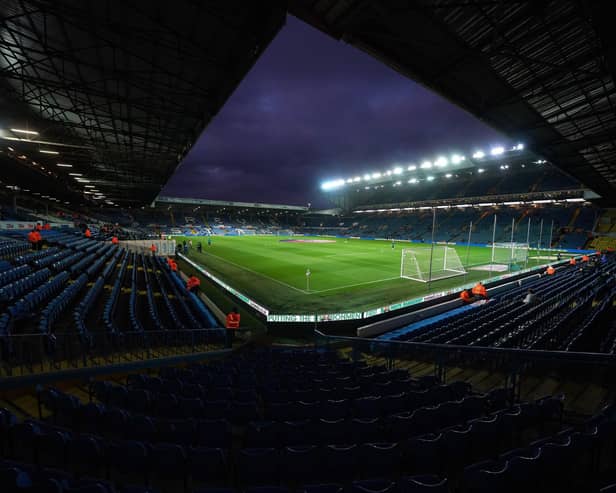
[
  {"x": 509, "y": 253},
  {"x": 415, "y": 263}
]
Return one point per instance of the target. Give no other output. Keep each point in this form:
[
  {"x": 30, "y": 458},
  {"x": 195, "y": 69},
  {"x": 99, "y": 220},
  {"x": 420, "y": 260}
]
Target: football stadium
[{"x": 307, "y": 247}]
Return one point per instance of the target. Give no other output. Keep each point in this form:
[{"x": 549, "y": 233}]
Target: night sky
[{"x": 313, "y": 109}]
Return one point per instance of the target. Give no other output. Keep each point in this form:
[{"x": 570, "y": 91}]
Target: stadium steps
[
  {"x": 582, "y": 398},
  {"x": 118, "y": 358}
]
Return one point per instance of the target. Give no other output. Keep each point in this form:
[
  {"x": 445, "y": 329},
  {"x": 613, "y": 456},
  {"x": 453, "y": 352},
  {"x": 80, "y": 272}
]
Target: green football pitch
[{"x": 345, "y": 275}]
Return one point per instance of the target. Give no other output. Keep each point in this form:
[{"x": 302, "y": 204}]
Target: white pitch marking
[
  {"x": 257, "y": 273},
  {"x": 353, "y": 285}
]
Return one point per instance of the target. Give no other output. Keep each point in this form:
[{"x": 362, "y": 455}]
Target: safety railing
[
  {"x": 517, "y": 369},
  {"x": 27, "y": 354}
]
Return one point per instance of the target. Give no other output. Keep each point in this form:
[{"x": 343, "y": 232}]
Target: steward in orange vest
[
  {"x": 465, "y": 296},
  {"x": 572, "y": 261},
  {"x": 550, "y": 270},
  {"x": 34, "y": 237},
  {"x": 480, "y": 290},
  {"x": 232, "y": 323},
  {"x": 233, "y": 320},
  {"x": 88, "y": 233},
  {"x": 114, "y": 240},
  {"x": 193, "y": 283}
]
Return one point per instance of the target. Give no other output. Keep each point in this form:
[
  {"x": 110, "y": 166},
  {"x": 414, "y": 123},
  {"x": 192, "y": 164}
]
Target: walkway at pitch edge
[{"x": 392, "y": 335}]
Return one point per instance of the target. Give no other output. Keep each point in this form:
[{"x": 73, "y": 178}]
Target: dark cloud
[{"x": 313, "y": 109}]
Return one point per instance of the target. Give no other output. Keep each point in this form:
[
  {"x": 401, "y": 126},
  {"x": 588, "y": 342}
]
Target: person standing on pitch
[
  {"x": 199, "y": 247},
  {"x": 209, "y": 240}
]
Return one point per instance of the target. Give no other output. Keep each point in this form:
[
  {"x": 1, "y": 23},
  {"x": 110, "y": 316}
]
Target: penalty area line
[
  {"x": 258, "y": 273},
  {"x": 352, "y": 285}
]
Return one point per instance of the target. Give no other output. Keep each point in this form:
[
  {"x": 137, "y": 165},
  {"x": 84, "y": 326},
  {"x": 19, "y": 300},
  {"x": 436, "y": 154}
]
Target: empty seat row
[{"x": 20, "y": 287}]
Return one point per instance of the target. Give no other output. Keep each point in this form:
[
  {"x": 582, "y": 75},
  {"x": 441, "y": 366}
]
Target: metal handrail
[
  {"x": 24, "y": 354},
  {"x": 531, "y": 355}
]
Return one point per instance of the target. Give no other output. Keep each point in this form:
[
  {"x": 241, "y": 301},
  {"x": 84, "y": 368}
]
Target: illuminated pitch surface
[{"x": 345, "y": 275}]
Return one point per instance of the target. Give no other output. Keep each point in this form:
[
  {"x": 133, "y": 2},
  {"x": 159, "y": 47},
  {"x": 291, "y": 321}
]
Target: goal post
[
  {"x": 415, "y": 263},
  {"x": 510, "y": 253}
]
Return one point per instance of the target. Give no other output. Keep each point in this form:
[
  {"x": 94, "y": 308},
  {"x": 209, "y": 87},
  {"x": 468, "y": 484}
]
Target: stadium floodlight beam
[
  {"x": 413, "y": 180},
  {"x": 367, "y": 176},
  {"x": 441, "y": 161},
  {"x": 430, "y": 178},
  {"x": 64, "y": 165},
  {"x": 357, "y": 179},
  {"x": 330, "y": 185},
  {"x": 497, "y": 151},
  {"x": 480, "y": 170},
  {"x": 518, "y": 147},
  {"x": 22, "y": 131},
  {"x": 412, "y": 167},
  {"x": 47, "y": 151},
  {"x": 426, "y": 165},
  {"x": 478, "y": 155},
  {"x": 398, "y": 170},
  {"x": 448, "y": 175},
  {"x": 456, "y": 158},
  {"x": 376, "y": 175}
]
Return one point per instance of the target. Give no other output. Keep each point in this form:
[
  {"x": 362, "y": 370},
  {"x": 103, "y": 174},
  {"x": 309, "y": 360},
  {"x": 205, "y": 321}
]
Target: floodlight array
[{"x": 440, "y": 162}]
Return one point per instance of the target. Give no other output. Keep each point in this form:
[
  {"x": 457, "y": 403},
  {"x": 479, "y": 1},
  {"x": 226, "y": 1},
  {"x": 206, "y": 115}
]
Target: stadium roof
[
  {"x": 541, "y": 71},
  {"x": 165, "y": 200},
  {"x": 117, "y": 91}
]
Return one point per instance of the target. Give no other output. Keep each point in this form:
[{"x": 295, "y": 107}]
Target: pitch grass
[{"x": 346, "y": 275}]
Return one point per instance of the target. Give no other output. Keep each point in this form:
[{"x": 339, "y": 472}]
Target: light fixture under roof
[
  {"x": 64, "y": 165},
  {"x": 90, "y": 186},
  {"x": 75, "y": 174},
  {"x": 441, "y": 161},
  {"x": 478, "y": 155},
  {"x": 47, "y": 151},
  {"x": 21, "y": 131},
  {"x": 497, "y": 151}
]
